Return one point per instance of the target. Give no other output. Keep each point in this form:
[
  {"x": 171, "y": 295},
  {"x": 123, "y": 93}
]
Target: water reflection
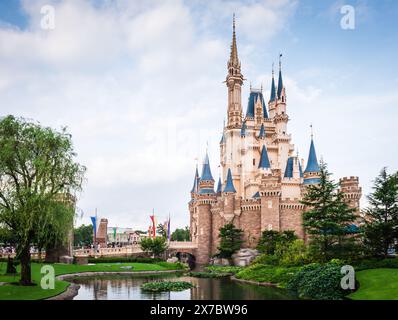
[{"x": 128, "y": 288}]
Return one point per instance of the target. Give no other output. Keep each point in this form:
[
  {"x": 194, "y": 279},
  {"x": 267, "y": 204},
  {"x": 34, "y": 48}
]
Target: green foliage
[
  {"x": 161, "y": 229},
  {"x": 155, "y": 246},
  {"x": 270, "y": 239},
  {"x": 160, "y": 286},
  {"x": 37, "y": 173},
  {"x": 181, "y": 235},
  {"x": 328, "y": 219},
  {"x": 318, "y": 281},
  {"x": 381, "y": 217},
  {"x": 294, "y": 253},
  {"x": 265, "y": 273},
  {"x": 223, "y": 269},
  {"x": 230, "y": 240},
  {"x": 83, "y": 236}
]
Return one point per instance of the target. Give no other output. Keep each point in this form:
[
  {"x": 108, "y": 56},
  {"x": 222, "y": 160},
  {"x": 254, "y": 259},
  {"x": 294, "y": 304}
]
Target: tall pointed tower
[{"x": 234, "y": 83}]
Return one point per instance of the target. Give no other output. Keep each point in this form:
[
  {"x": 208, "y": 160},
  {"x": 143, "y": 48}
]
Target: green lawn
[
  {"x": 376, "y": 284},
  {"x": 17, "y": 292}
]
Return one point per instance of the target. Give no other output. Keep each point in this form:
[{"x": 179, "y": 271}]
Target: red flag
[{"x": 153, "y": 226}]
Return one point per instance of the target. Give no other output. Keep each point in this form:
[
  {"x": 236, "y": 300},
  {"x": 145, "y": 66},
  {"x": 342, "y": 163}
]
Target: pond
[{"x": 128, "y": 288}]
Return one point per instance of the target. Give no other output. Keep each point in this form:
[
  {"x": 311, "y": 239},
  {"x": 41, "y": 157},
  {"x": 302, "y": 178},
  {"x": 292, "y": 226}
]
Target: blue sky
[{"x": 139, "y": 85}]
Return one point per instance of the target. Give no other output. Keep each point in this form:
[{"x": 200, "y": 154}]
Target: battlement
[{"x": 349, "y": 179}]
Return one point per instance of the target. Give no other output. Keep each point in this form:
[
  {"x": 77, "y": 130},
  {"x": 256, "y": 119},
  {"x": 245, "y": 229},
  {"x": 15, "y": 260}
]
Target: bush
[
  {"x": 267, "y": 259},
  {"x": 271, "y": 238},
  {"x": 293, "y": 253},
  {"x": 160, "y": 286},
  {"x": 318, "y": 281}
]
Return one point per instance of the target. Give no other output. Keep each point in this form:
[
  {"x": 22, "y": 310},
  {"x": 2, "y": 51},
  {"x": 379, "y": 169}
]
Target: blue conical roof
[
  {"x": 243, "y": 129},
  {"x": 273, "y": 90},
  {"x": 289, "y": 168},
  {"x": 312, "y": 163},
  {"x": 264, "y": 161},
  {"x": 219, "y": 186},
  {"x": 229, "y": 186},
  {"x": 280, "y": 84},
  {"x": 262, "y": 131},
  {"x": 196, "y": 181},
  {"x": 256, "y": 195},
  {"x": 206, "y": 172}
]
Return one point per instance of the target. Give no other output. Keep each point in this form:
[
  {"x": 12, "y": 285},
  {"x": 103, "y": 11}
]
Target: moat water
[{"x": 128, "y": 288}]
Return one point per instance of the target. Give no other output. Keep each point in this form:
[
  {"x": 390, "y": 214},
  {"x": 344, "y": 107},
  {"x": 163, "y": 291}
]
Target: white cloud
[{"x": 139, "y": 84}]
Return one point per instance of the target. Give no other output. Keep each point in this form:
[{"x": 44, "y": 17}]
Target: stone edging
[
  {"x": 263, "y": 284},
  {"x": 72, "y": 290}
]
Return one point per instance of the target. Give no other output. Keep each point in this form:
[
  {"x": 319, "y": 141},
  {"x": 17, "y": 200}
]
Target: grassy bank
[
  {"x": 13, "y": 291},
  {"x": 376, "y": 284}
]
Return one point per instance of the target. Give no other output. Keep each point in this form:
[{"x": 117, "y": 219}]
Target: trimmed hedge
[{"x": 223, "y": 269}]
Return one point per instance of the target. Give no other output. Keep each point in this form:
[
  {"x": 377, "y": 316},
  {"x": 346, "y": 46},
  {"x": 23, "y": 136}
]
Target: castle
[{"x": 262, "y": 180}]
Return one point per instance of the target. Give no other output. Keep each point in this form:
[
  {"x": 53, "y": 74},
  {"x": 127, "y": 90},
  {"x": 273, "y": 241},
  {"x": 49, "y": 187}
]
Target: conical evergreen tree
[
  {"x": 381, "y": 216},
  {"x": 230, "y": 240},
  {"x": 328, "y": 218}
]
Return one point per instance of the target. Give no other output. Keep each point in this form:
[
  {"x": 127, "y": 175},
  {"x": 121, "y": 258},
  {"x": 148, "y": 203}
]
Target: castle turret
[
  {"x": 352, "y": 191},
  {"x": 205, "y": 198},
  {"x": 234, "y": 83},
  {"x": 312, "y": 171},
  {"x": 206, "y": 182}
]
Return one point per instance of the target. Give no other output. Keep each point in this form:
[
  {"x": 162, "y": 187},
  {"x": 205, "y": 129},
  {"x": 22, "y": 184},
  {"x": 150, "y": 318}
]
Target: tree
[
  {"x": 37, "y": 169},
  {"x": 271, "y": 238},
  {"x": 231, "y": 240},
  {"x": 381, "y": 217},
  {"x": 181, "y": 234},
  {"x": 155, "y": 246},
  {"x": 83, "y": 236},
  {"x": 328, "y": 218},
  {"x": 161, "y": 229}
]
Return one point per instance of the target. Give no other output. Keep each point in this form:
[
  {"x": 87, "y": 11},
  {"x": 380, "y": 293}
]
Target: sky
[{"x": 139, "y": 85}]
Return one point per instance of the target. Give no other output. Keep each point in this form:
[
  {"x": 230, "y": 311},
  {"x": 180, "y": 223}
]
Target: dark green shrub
[{"x": 318, "y": 281}]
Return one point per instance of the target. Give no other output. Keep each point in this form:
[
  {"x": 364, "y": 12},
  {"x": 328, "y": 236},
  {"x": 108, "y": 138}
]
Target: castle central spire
[
  {"x": 234, "y": 83},
  {"x": 233, "y": 59}
]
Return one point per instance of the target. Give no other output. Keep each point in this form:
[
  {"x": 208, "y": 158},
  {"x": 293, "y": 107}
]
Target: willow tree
[{"x": 37, "y": 167}]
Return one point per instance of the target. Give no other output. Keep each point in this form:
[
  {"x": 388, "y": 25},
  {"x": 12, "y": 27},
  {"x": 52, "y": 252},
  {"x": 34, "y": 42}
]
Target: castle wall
[
  {"x": 249, "y": 223},
  {"x": 291, "y": 214}
]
